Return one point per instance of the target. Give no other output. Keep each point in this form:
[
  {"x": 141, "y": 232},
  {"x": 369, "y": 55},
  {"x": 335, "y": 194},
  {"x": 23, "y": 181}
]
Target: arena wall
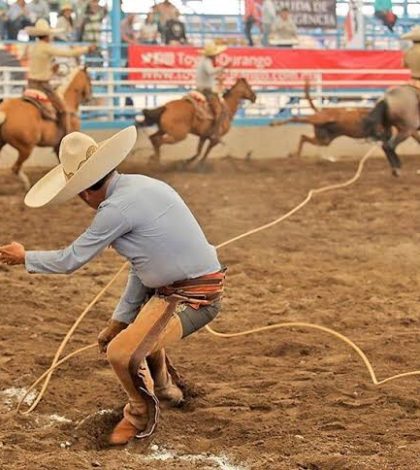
[{"x": 257, "y": 142}]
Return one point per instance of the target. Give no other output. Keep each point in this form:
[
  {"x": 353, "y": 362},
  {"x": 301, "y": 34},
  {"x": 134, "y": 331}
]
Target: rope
[
  {"x": 66, "y": 340},
  {"x": 56, "y": 362}
]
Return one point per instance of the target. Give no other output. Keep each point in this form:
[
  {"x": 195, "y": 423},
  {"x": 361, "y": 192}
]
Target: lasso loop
[{"x": 56, "y": 362}]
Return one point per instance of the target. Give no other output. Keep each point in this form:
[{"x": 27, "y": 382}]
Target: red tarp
[{"x": 176, "y": 65}]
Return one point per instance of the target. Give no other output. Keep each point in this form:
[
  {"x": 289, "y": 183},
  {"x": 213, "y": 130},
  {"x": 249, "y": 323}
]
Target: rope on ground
[{"x": 56, "y": 362}]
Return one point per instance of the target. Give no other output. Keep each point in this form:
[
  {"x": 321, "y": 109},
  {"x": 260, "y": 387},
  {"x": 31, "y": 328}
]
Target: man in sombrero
[
  {"x": 175, "y": 281},
  {"x": 412, "y": 55},
  {"x": 41, "y": 55},
  {"x": 207, "y": 79}
]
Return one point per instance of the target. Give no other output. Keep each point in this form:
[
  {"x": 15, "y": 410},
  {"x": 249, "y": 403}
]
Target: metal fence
[{"x": 117, "y": 99}]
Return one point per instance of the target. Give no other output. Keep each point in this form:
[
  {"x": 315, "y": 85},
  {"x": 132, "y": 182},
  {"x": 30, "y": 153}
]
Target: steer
[{"x": 330, "y": 123}]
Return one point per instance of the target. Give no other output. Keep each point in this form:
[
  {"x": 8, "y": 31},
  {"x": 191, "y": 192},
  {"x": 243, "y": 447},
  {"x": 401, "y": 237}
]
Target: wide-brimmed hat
[
  {"x": 413, "y": 35},
  {"x": 83, "y": 162},
  {"x": 42, "y": 28},
  {"x": 66, "y": 6},
  {"x": 212, "y": 49}
]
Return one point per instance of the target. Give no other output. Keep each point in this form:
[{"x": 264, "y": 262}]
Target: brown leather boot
[
  {"x": 168, "y": 393},
  {"x": 123, "y": 432}
]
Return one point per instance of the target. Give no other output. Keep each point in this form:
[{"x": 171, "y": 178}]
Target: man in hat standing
[
  {"x": 207, "y": 80},
  {"x": 175, "y": 282},
  {"x": 412, "y": 55},
  {"x": 41, "y": 57}
]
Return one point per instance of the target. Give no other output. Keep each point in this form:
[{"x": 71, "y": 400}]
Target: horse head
[
  {"x": 86, "y": 85},
  {"x": 79, "y": 82},
  {"x": 243, "y": 88}
]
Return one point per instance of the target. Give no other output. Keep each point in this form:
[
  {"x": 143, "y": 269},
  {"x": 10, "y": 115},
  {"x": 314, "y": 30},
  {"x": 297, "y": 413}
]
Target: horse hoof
[
  {"x": 24, "y": 179},
  {"x": 396, "y": 172}
]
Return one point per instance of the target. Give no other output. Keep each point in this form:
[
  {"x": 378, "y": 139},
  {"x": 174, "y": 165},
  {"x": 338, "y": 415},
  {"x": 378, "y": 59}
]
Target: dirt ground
[{"x": 290, "y": 399}]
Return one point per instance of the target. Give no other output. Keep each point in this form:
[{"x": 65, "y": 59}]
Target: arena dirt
[{"x": 290, "y": 399}]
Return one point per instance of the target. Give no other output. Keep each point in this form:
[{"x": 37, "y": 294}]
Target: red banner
[{"x": 269, "y": 67}]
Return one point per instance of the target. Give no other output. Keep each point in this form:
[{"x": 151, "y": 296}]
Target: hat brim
[
  {"x": 32, "y": 31},
  {"x": 411, "y": 36},
  {"x": 54, "y": 188},
  {"x": 218, "y": 51}
]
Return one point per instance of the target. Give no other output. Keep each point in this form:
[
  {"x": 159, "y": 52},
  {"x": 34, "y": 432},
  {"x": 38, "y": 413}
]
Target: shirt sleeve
[
  {"x": 133, "y": 297},
  {"x": 108, "y": 225},
  {"x": 67, "y": 52},
  {"x": 211, "y": 69}
]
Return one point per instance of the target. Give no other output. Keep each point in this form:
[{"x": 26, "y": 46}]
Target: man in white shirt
[
  {"x": 268, "y": 17},
  {"x": 207, "y": 80}
]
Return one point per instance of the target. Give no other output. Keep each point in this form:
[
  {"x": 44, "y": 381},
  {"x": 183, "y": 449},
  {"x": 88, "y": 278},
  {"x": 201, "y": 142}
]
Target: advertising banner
[
  {"x": 311, "y": 13},
  {"x": 265, "y": 67}
]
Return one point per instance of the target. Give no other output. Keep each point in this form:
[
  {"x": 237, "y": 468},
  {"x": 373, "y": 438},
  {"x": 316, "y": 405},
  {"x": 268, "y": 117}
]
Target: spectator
[
  {"x": 251, "y": 18},
  {"x": 267, "y": 20},
  {"x": 91, "y": 30},
  {"x": 17, "y": 19},
  {"x": 92, "y": 22},
  {"x": 175, "y": 32},
  {"x": 65, "y": 23},
  {"x": 164, "y": 12},
  {"x": 79, "y": 11},
  {"x": 148, "y": 33},
  {"x": 284, "y": 28},
  {"x": 39, "y": 10},
  {"x": 128, "y": 34},
  {"x": 3, "y": 17},
  {"x": 383, "y": 11}
]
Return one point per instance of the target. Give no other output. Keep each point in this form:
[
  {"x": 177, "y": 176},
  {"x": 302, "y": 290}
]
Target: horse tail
[
  {"x": 151, "y": 117},
  {"x": 376, "y": 122},
  {"x": 308, "y": 95}
]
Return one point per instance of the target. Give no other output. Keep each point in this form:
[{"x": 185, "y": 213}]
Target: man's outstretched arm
[{"x": 107, "y": 226}]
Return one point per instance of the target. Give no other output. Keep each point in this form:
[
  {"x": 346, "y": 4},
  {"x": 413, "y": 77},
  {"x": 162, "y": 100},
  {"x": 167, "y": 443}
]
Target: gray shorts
[{"x": 193, "y": 320}]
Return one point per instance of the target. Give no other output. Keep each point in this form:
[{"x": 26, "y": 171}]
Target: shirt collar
[{"x": 112, "y": 184}]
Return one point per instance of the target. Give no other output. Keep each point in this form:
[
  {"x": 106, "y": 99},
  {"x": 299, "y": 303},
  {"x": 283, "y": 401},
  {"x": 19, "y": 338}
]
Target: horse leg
[
  {"x": 212, "y": 144},
  {"x": 201, "y": 143},
  {"x": 156, "y": 140},
  {"x": 390, "y": 150},
  {"x": 24, "y": 152}
]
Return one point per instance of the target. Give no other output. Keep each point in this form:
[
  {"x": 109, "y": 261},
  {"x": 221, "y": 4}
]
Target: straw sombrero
[
  {"x": 42, "y": 28},
  {"x": 413, "y": 35},
  {"x": 212, "y": 49},
  {"x": 66, "y": 6},
  {"x": 83, "y": 162}
]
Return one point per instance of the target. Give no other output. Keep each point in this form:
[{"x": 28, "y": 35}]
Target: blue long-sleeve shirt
[{"x": 148, "y": 223}]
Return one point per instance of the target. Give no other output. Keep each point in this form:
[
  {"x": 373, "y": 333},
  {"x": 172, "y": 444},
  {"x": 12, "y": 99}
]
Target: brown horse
[
  {"x": 179, "y": 118},
  {"x": 22, "y": 126}
]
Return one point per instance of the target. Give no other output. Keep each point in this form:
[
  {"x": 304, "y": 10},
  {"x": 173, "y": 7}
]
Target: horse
[
  {"x": 399, "y": 109},
  {"x": 329, "y": 123},
  {"x": 178, "y": 118},
  {"x": 23, "y": 127}
]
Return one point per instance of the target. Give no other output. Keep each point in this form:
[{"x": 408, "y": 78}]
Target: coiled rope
[{"x": 57, "y": 362}]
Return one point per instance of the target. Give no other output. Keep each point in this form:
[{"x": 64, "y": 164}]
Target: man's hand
[
  {"x": 12, "y": 254},
  {"x": 109, "y": 333}
]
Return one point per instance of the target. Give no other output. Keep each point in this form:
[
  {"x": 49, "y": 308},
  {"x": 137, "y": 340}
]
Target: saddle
[
  {"x": 201, "y": 105},
  {"x": 41, "y": 101}
]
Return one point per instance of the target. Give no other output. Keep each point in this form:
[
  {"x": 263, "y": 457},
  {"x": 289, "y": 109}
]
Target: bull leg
[
  {"x": 416, "y": 137},
  {"x": 201, "y": 143},
  {"x": 303, "y": 140},
  {"x": 24, "y": 153}
]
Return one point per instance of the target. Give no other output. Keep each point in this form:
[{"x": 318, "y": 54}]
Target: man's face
[
  {"x": 284, "y": 15},
  {"x": 92, "y": 198}
]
